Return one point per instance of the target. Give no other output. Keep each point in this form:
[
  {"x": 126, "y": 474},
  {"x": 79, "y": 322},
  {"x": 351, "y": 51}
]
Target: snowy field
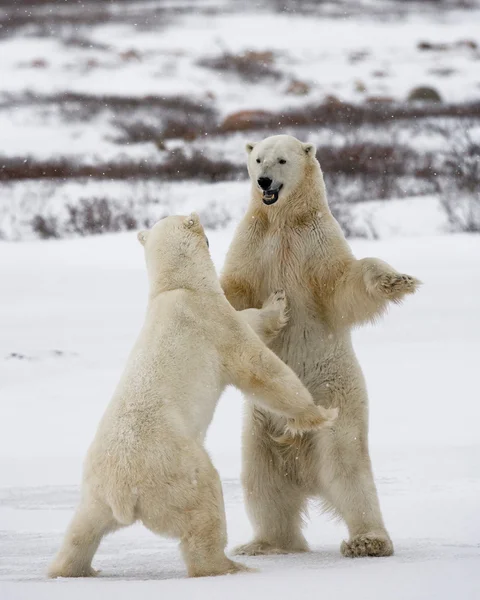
[
  {"x": 69, "y": 313},
  {"x": 116, "y": 113},
  {"x": 97, "y": 96}
]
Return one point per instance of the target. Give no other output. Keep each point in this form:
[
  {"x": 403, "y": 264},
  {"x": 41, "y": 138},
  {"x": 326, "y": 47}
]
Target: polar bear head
[
  {"x": 279, "y": 165},
  {"x": 177, "y": 254}
]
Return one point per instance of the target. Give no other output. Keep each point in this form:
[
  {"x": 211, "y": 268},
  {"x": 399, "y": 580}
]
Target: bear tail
[{"x": 123, "y": 504}]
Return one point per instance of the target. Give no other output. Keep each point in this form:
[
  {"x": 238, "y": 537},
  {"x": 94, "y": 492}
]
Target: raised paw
[
  {"x": 396, "y": 285},
  {"x": 277, "y": 301},
  {"x": 317, "y": 417},
  {"x": 274, "y": 315},
  {"x": 367, "y": 544},
  {"x": 260, "y": 548}
]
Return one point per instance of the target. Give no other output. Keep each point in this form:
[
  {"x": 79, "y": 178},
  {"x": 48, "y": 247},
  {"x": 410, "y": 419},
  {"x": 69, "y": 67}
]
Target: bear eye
[
  {"x": 282, "y": 161},
  {"x": 206, "y": 239},
  {"x": 258, "y": 160}
]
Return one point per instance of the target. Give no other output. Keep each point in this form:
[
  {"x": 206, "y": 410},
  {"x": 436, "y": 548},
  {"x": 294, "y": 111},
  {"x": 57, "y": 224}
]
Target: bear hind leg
[
  {"x": 277, "y": 521},
  {"x": 91, "y": 522},
  {"x": 274, "y": 504},
  {"x": 203, "y": 545},
  {"x": 195, "y": 514},
  {"x": 349, "y": 487}
]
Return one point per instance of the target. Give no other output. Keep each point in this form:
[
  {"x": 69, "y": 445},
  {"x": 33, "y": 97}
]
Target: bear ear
[
  {"x": 309, "y": 149},
  {"x": 250, "y": 146},
  {"x": 192, "y": 221},
  {"x": 142, "y": 236}
]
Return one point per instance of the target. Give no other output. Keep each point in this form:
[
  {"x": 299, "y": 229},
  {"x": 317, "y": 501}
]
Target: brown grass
[
  {"x": 250, "y": 66},
  {"x": 178, "y": 166},
  {"x": 189, "y": 129},
  {"x": 334, "y": 112},
  {"x": 366, "y": 158},
  {"x": 100, "y": 215},
  {"x": 93, "y": 104}
]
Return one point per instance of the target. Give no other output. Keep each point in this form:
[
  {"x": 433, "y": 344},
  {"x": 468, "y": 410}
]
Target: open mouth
[{"x": 271, "y": 196}]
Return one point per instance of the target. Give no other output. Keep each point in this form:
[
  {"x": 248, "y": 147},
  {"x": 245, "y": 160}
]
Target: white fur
[
  {"x": 147, "y": 461},
  {"x": 279, "y": 160},
  {"x": 296, "y": 244}
]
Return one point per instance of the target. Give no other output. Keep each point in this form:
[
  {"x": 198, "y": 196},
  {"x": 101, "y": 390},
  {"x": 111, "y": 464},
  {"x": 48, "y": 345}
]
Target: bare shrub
[
  {"x": 198, "y": 166},
  {"x": 366, "y": 157},
  {"x": 251, "y": 66},
  {"x": 95, "y": 210},
  {"x": 14, "y": 168},
  {"x": 362, "y": 170},
  {"x": 186, "y": 129},
  {"x": 177, "y": 166},
  {"x": 462, "y": 158},
  {"x": 352, "y": 227},
  {"x": 46, "y": 227},
  {"x": 137, "y": 132},
  {"x": 215, "y": 216},
  {"x": 334, "y": 112},
  {"x": 460, "y": 187},
  {"x": 169, "y": 127},
  {"x": 93, "y": 216},
  {"x": 463, "y": 211},
  {"x": 245, "y": 120},
  {"x": 162, "y": 119},
  {"x": 102, "y": 215},
  {"x": 49, "y": 18},
  {"x": 77, "y": 40},
  {"x": 90, "y": 216},
  {"x": 342, "y": 212},
  {"x": 124, "y": 109}
]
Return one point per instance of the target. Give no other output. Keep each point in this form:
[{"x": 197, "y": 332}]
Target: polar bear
[
  {"x": 289, "y": 238},
  {"x": 147, "y": 461}
]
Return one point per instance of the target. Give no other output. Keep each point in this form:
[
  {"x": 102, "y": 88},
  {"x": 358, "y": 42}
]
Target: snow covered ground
[
  {"x": 164, "y": 57},
  {"x": 130, "y": 82},
  {"x": 69, "y": 312},
  {"x": 218, "y": 205},
  {"x": 92, "y": 84},
  {"x": 125, "y": 89}
]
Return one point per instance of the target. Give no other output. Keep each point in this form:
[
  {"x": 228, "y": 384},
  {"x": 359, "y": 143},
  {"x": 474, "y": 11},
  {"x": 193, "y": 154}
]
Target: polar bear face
[
  {"x": 176, "y": 250},
  {"x": 277, "y": 164}
]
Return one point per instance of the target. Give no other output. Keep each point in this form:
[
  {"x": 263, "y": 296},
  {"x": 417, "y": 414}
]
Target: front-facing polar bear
[
  {"x": 147, "y": 461},
  {"x": 289, "y": 239}
]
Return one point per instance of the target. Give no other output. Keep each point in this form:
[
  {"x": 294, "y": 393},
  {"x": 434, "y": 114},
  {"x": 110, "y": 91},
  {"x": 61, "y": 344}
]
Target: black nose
[{"x": 264, "y": 182}]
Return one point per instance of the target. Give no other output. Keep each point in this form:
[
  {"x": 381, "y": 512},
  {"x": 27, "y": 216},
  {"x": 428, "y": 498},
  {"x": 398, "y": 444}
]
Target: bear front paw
[
  {"x": 277, "y": 301},
  {"x": 317, "y": 418},
  {"x": 396, "y": 285},
  {"x": 275, "y": 314}
]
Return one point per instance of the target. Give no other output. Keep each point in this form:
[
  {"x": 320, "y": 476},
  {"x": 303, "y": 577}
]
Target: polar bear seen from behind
[{"x": 147, "y": 461}]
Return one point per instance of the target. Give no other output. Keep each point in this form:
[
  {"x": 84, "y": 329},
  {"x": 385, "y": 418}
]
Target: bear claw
[
  {"x": 396, "y": 285},
  {"x": 367, "y": 545}
]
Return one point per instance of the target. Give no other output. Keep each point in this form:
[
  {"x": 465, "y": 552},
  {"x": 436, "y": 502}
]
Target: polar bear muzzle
[{"x": 271, "y": 196}]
